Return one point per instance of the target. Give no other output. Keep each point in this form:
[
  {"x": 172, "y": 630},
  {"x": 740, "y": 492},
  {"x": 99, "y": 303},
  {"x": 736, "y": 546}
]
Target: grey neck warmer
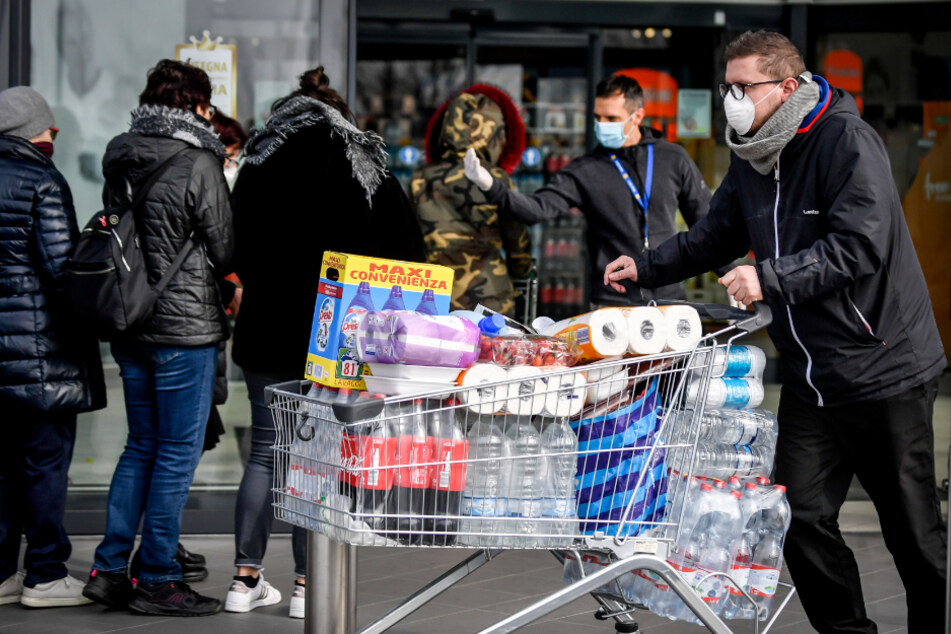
[
  {"x": 364, "y": 150},
  {"x": 176, "y": 123},
  {"x": 762, "y": 150}
]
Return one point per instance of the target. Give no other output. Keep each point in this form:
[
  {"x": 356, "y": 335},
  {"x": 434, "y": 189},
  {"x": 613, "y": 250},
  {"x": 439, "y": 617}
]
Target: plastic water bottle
[
  {"x": 410, "y": 488},
  {"x": 427, "y": 305},
  {"x": 447, "y": 477},
  {"x": 522, "y": 484},
  {"x": 395, "y": 300},
  {"x": 683, "y": 556},
  {"x": 768, "y": 553},
  {"x": 741, "y": 361},
  {"x": 737, "y": 606},
  {"x": 728, "y": 393},
  {"x": 481, "y": 498},
  {"x": 721, "y": 523},
  {"x": 723, "y": 461},
  {"x": 739, "y": 427},
  {"x": 558, "y": 483}
]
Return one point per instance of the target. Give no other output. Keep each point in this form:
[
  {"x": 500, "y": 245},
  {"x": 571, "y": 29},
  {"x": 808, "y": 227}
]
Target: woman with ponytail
[{"x": 311, "y": 182}]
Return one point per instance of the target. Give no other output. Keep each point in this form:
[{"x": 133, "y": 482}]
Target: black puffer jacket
[
  {"x": 191, "y": 196},
  {"x": 44, "y": 364},
  {"x": 851, "y": 311}
]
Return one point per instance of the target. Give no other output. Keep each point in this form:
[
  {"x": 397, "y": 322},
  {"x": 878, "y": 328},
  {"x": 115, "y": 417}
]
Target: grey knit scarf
[
  {"x": 176, "y": 123},
  {"x": 364, "y": 150},
  {"x": 762, "y": 150}
]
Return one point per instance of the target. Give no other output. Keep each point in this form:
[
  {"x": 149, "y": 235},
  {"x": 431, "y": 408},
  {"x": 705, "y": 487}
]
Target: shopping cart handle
[
  {"x": 358, "y": 410},
  {"x": 760, "y": 317}
]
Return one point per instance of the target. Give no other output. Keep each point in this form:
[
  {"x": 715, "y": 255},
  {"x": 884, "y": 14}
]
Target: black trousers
[
  {"x": 889, "y": 445},
  {"x": 35, "y": 453},
  {"x": 253, "y": 513}
]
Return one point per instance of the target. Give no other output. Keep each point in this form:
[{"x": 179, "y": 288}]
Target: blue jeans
[
  {"x": 167, "y": 398},
  {"x": 254, "y": 513}
]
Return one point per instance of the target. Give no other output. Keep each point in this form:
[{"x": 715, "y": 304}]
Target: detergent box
[{"x": 352, "y": 285}]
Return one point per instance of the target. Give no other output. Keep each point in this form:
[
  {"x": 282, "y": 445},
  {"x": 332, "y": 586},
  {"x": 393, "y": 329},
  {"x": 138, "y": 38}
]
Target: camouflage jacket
[{"x": 461, "y": 228}]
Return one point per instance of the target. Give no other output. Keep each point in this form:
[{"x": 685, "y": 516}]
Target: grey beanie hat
[{"x": 24, "y": 112}]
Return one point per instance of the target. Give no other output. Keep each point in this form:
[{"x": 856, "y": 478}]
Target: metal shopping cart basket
[{"x": 362, "y": 474}]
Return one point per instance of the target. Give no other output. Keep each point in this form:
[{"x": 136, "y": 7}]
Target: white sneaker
[
  {"x": 57, "y": 593},
  {"x": 241, "y": 598},
  {"x": 12, "y": 588},
  {"x": 298, "y": 602}
]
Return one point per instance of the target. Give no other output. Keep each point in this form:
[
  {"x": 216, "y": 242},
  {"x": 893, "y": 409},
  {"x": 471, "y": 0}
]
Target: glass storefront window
[{"x": 90, "y": 59}]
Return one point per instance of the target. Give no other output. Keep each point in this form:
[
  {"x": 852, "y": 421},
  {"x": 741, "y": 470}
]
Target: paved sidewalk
[{"x": 502, "y": 587}]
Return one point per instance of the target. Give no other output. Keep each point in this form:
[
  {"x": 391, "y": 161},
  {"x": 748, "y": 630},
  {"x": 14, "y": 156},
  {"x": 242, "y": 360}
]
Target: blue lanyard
[{"x": 645, "y": 201}]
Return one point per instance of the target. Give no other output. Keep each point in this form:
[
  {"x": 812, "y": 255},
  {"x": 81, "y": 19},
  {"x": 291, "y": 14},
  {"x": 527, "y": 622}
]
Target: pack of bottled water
[{"x": 727, "y": 528}]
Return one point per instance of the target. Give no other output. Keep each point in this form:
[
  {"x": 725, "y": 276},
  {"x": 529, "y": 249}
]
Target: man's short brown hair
[{"x": 778, "y": 56}]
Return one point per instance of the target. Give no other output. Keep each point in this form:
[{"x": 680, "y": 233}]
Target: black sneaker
[
  {"x": 172, "y": 598},
  {"x": 112, "y": 589},
  {"x": 193, "y": 565},
  {"x": 186, "y": 558}
]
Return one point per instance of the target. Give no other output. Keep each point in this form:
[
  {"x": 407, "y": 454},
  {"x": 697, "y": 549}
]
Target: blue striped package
[{"x": 613, "y": 450}]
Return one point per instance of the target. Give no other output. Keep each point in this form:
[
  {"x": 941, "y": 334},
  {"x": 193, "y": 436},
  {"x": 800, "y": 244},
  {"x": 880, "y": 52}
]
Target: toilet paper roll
[
  {"x": 483, "y": 400},
  {"x": 646, "y": 329},
  {"x": 683, "y": 327},
  {"x": 607, "y": 387},
  {"x": 600, "y": 369},
  {"x": 526, "y": 391},
  {"x": 599, "y": 334},
  {"x": 565, "y": 394}
]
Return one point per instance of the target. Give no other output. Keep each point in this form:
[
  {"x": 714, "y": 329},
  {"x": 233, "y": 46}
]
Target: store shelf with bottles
[{"x": 562, "y": 266}]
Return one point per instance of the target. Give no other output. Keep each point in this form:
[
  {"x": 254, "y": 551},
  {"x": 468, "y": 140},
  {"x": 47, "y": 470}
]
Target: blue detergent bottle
[
  {"x": 395, "y": 300},
  {"x": 427, "y": 305},
  {"x": 359, "y": 306}
]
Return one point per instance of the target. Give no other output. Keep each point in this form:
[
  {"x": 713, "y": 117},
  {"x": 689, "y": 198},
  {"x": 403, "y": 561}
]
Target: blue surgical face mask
[{"x": 610, "y": 134}]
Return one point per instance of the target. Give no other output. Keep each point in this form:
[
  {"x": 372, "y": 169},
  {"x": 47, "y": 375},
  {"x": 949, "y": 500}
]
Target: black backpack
[{"x": 107, "y": 278}]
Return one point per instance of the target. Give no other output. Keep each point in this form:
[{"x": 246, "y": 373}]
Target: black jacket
[
  {"x": 301, "y": 201},
  {"x": 191, "y": 196},
  {"x": 851, "y": 312},
  {"x": 593, "y": 184},
  {"x": 44, "y": 364}
]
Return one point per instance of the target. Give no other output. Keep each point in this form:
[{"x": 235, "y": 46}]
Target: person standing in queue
[
  {"x": 311, "y": 182},
  {"x": 49, "y": 371},
  {"x": 168, "y": 364}
]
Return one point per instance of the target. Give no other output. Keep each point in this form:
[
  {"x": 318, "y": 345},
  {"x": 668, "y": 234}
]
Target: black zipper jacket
[
  {"x": 851, "y": 312},
  {"x": 593, "y": 184}
]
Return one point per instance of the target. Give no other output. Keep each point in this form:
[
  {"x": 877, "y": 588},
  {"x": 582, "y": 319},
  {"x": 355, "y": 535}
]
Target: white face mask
[{"x": 740, "y": 113}]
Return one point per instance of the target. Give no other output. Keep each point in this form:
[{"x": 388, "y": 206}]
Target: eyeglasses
[
  {"x": 212, "y": 111},
  {"x": 53, "y": 132},
  {"x": 738, "y": 89}
]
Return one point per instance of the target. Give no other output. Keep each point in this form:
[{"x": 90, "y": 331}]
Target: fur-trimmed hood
[
  {"x": 364, "y": 149},
  {"x": 498, "y": 138}
]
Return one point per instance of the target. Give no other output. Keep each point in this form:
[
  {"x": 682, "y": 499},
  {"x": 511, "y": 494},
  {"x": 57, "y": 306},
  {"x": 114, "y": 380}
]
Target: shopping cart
[
  {"x": 526, "y": 297},
  {"x": 337, "y": 474}
]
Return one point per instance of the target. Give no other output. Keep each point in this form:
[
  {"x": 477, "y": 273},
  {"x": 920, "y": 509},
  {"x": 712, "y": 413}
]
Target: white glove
[{"x": 475, "y": 172}]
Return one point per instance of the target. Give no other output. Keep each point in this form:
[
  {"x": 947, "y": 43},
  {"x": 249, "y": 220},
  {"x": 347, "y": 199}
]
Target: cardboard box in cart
[{"x": 349, "y": 286}]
